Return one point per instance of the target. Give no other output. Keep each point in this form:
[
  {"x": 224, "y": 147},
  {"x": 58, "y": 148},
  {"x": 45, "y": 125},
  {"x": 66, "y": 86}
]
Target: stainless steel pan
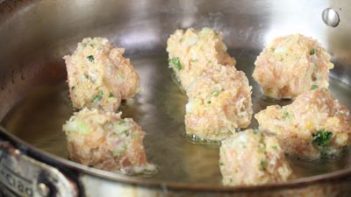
[{"x": 34, "y": 35}]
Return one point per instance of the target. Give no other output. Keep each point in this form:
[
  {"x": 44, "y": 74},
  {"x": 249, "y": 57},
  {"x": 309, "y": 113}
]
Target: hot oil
[
  {"x": 159, "y": 108},
  {"x": 38, "y": 119}
]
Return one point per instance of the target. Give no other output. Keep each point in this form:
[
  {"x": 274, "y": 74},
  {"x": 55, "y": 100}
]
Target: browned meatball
[{"x": 219, "y": 96}]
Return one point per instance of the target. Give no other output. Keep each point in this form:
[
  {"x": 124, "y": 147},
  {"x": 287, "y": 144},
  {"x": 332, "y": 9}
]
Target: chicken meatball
[
  {"x": 219, "y": 96},
  {"x": 192, "y": 52},
  {"x": 219, "y": 103},
  {"x": 99, "y": 76},
  {"x": 314, "y": 125},
  {"x": 291, "y": 65},
  {"x": 252, "y": 158},
  {"x": 106, "y": 141}
]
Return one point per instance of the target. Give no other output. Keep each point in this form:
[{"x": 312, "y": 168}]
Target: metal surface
[
  {"x": 24, "y": 176},
  {"x": 32, "y": 78},
  {"x": 99, "y": 183}
]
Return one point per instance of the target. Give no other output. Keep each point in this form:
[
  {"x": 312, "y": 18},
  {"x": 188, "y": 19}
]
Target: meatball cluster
[
  {"x": 99, "y": 76},
  {"x": 219, "y": 96},
  {"x": 252, "y": 158},
  {"x": 314, "y": 125},
  {"x": 291, "y": 65}
]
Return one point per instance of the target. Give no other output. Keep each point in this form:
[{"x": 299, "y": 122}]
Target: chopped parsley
[
  {"x": 255, "y": 131},
  {"x": 322, "y": 138},
  {"x": 121, "y": 122},
  {"x": 287, "y": 115},
  {"x": 275, "y": 147},
  {"x": 313, "y": 51},
  {"x": 175, "y": 63},
  {"x": 119, "y": 150},
  {"x": 231, "y": 180},
  {"x": 263, "y": 164},
  {"x": 126, "y": 132},
  {"x": 314, "y": 86},
  {"x": 111, "y": 95},
  {"x": 91, "y": 58},
  {"x": 262, "y": 146},
  {"x": 99, "y": 96},
  {"x": 122, "y": 127},
  {"x": 216, "y": 93}
]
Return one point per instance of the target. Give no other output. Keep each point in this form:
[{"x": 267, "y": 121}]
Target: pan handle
[{"x": 21, "y": 175}]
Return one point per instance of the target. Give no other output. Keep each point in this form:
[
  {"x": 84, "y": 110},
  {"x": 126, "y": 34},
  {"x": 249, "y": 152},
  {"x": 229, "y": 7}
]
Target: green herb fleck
[
  {"x": 216, "y": 93},
  {"x": 313, "y": 51},
  {"x": 175, "y": 63},
  {"x": 275, "y": 147},
  {"x": 122, "y": 127},
  {"x": 126, "y": 132},
  {"x": 98, "y": 97},
  {"x": 286, "y": 115},
  {"x": 91, "y": 58},
  {"x": 263, "y": 164},
  {"x": 119, "y": 150},
  {"x": 314, "y": 86},
  {"x": 77, "y": 126},
  {"x": 262, "y": 147},
  {"x": 322, "y": 138},
  {"x": 111, "y": 95},
  {"x": 256, "y": 131},
  {"x": 221, "y": 163},
  {"x": 231, "y": 180},
  {"x": 122, "y": 121}
]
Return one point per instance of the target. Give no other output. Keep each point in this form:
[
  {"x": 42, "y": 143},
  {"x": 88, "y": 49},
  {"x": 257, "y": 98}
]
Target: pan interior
[{"x": 159, "y": 109}]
